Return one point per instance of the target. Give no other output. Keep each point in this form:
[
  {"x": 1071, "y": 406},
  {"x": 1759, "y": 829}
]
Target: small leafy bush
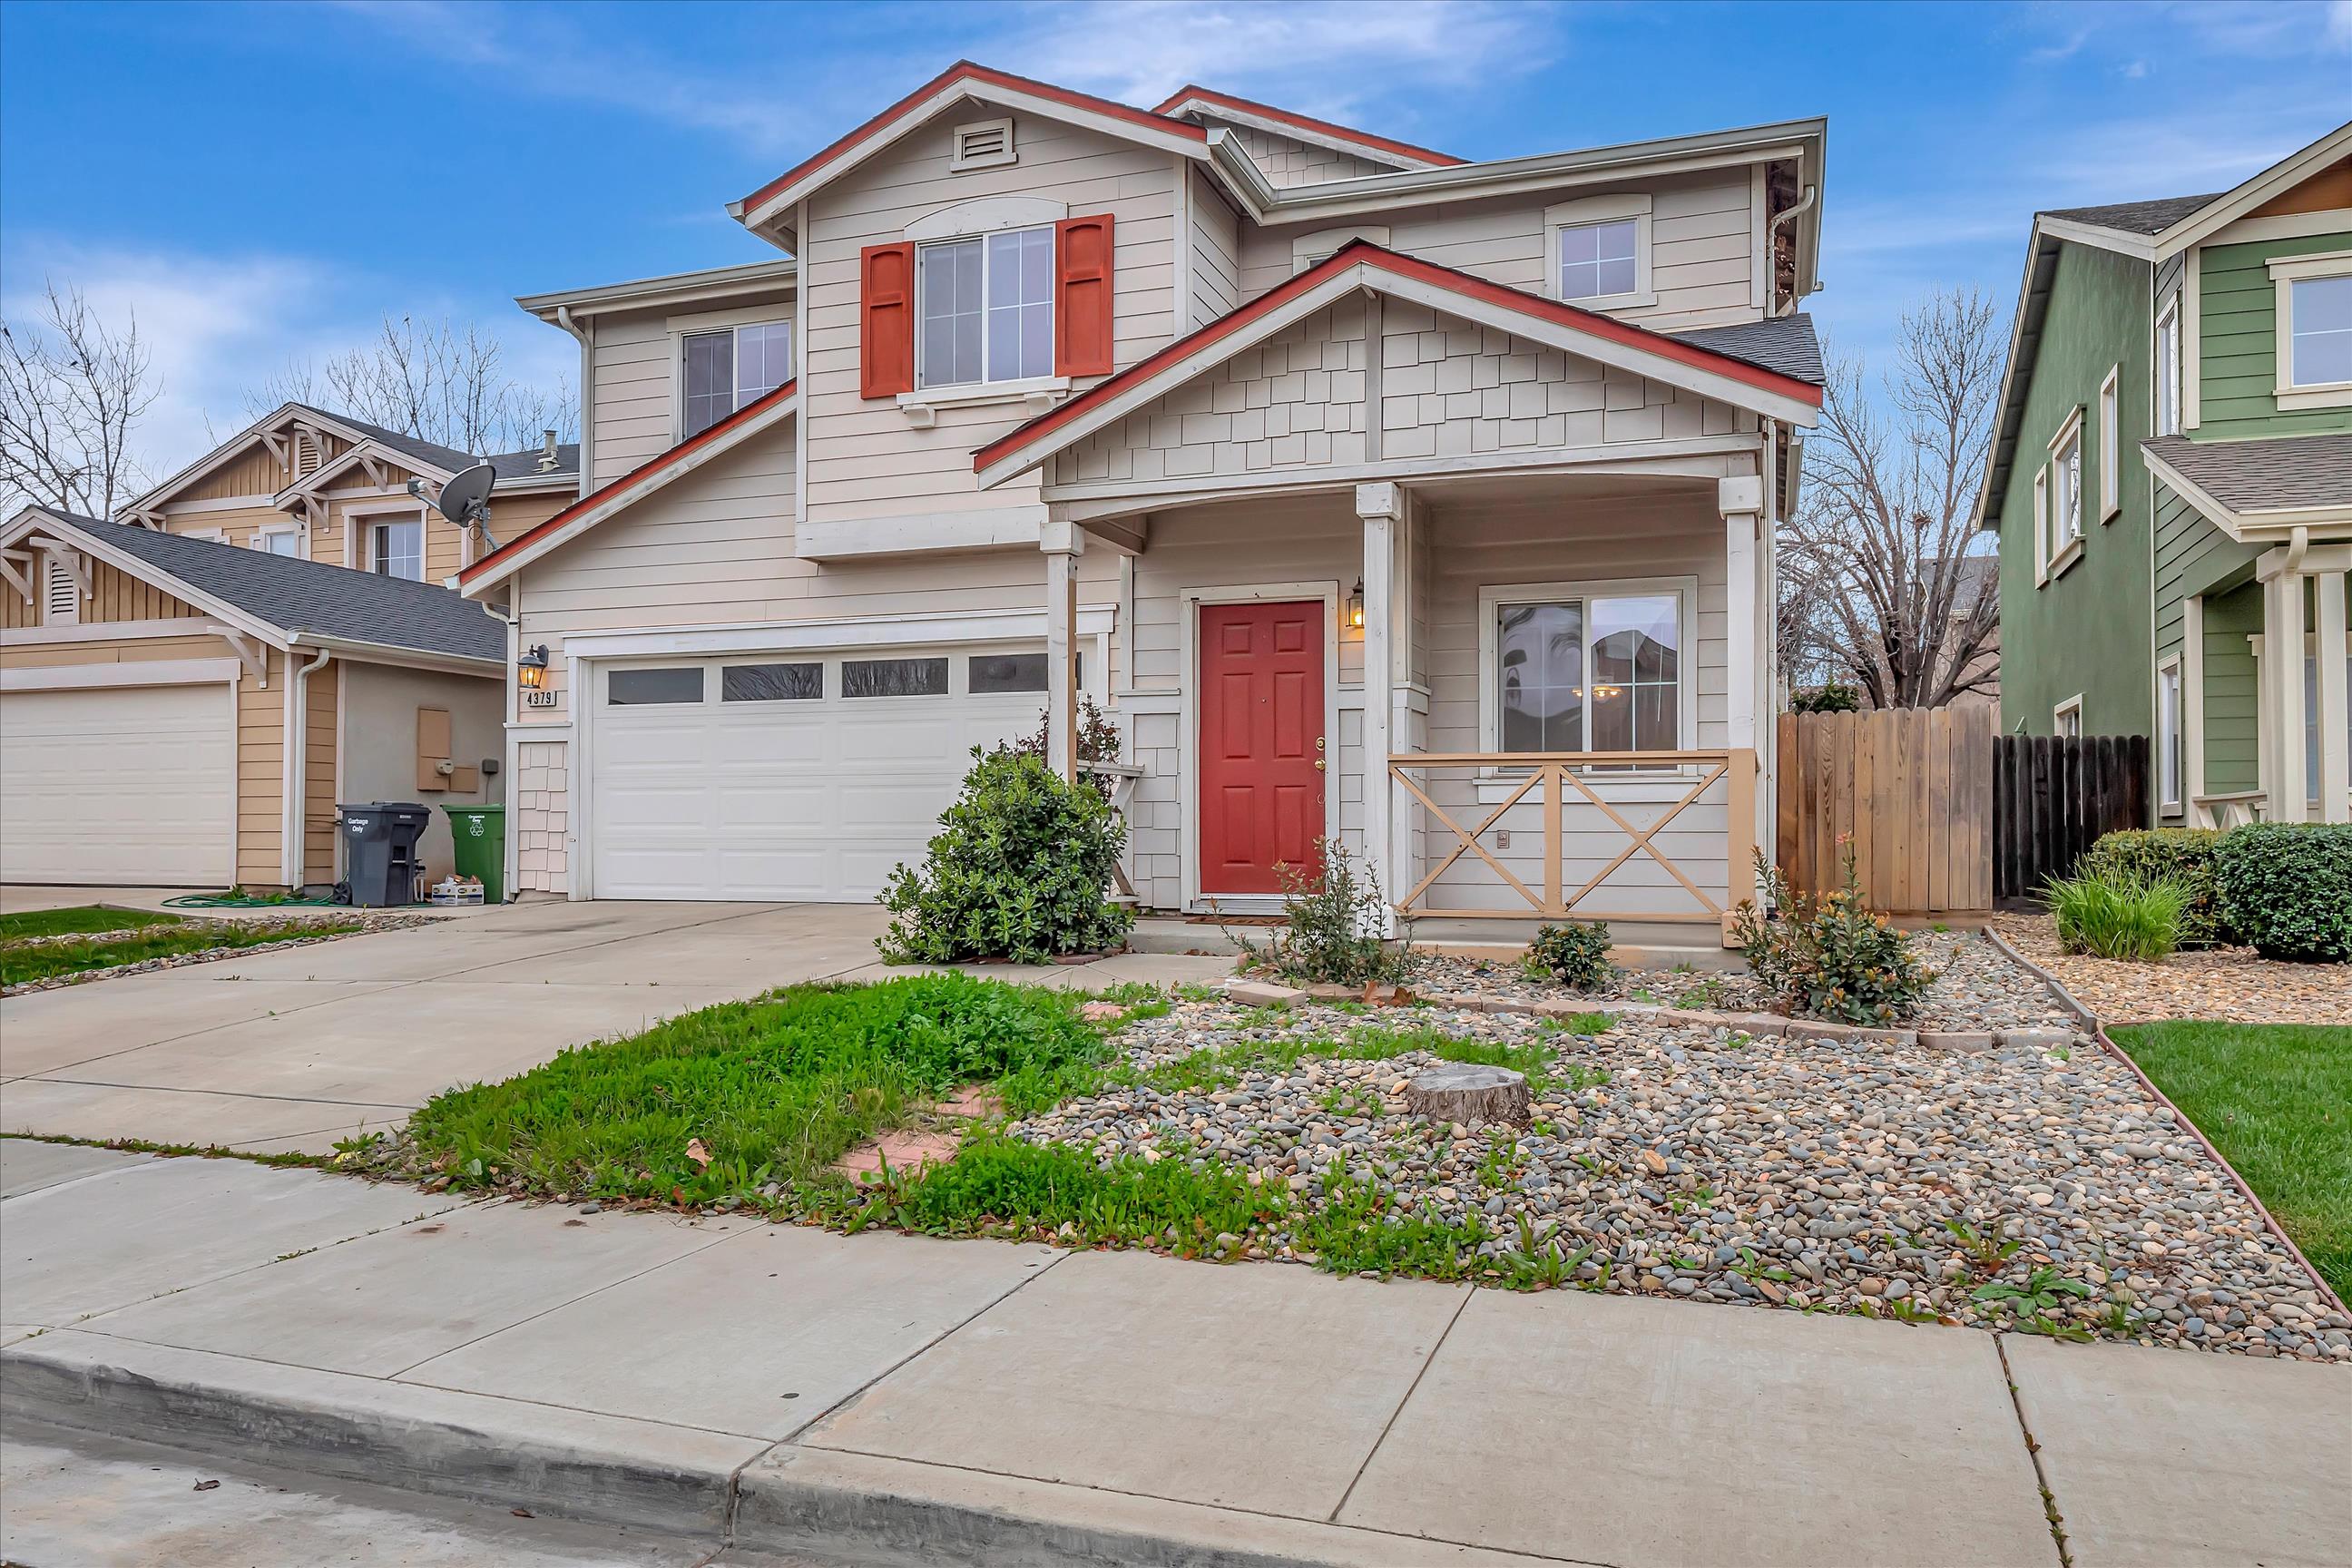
[
  {"x": 1830, "y": 958},
  {"x": 1018, "y": 870},
  {"x": 2287, "y": 889},
  {"x": 1575, "y": 955},
  {"x": 1331, "y": 925},
  {"x": 1097, "y": 740},
  {"x": 2182, "y": 856},
  {"x": 1829, "y": 698},
  {"x": 2114, "y": 914}
]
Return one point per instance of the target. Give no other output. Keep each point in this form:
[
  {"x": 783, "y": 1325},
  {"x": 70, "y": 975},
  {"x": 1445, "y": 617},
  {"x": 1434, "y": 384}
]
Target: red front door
[{"x": 1262, "y": 743}]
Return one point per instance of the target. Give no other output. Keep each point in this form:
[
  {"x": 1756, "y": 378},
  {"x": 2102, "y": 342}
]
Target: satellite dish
[{"x": 464, "y": 501}]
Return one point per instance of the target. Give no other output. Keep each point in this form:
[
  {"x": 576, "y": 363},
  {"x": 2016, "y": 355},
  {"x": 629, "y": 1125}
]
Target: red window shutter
[
  {"x": 1082, "y": 296},
  {"x": 885, "y": 328}
]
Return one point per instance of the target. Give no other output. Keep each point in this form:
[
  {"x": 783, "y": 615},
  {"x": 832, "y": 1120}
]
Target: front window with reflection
[
  {"x": 1595, "y": 673},
  {"x": 986, "y": 309}
]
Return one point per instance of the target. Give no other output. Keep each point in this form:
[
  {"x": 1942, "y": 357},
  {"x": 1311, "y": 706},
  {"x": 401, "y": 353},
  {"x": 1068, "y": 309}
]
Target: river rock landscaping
[
  {"x": 144, "y": 942},
  {"x": 2235, "y": 983}
]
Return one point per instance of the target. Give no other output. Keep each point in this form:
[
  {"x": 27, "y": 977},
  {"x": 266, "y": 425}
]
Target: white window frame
[
  {"x": 2064, "y": 552},
  {"x": 927, "y": 393},
  {"x": 1602, "y": 209},
  {"x": 262, "y": 537},
  {"x": 389, "y": 519},
  {"x": 2072, "y": 708},
  {"x": 960, "y": 160},
  {"x": 2111, "y": 456},
  {"x": 2171, "y": 737},
  {"x": 2285, "y": 273},
  {"x": 2168, "y": 368},
  {"x": 1492, "y": 597},
  {"x": 730, "y": 323},
  {"x": 2041, "y": 526}
]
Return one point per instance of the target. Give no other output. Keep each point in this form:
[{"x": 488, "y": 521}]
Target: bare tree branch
[
  {"x": 72, "y": 390},
  {"x": 1883, "y": 581},
  {"x": 435, "y": 380}
]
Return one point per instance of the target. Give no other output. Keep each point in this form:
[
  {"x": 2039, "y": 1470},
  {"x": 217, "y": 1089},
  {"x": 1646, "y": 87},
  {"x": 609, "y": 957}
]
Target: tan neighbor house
[
  {"x": 1371, "y": 492},
  {"x": 186, "y": 693}
]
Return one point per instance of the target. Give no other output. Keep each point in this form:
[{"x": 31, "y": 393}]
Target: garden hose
[{"x": 235, "y": 899}]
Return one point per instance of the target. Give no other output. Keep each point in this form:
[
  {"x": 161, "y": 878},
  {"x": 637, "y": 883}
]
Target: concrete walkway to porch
[
  {"x": 775, "y": 1388},
  {"x": 294, "y": 1050}
]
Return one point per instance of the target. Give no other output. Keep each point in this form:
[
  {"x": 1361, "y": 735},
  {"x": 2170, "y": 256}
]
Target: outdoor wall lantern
[
  {"x": 531, "y": 667},
  {"x": 1356, "y": 605}
]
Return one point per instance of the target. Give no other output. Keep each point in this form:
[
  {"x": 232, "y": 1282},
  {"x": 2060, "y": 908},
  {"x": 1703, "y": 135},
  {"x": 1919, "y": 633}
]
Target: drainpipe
[
  {"x": 587, "y": 371},
  {"x": 1772, "y": 236},
  {"x": 298, "y": 735}
]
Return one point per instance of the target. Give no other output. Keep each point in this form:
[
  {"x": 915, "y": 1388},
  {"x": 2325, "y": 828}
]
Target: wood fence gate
[
  {"x": 2054, "y": 796},
  {"x": 1909, "y": 791}
]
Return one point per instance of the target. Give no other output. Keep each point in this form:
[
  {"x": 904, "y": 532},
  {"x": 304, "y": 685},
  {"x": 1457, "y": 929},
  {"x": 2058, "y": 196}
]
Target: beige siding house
[
  {"x": 1372, "y": 493},
  {"x": 187, "y": 691}
]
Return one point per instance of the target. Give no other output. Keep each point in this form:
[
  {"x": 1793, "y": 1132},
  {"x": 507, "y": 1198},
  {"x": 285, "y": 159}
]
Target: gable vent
[
  {"x": 308, "y": 455},
  {"x": 60, "y": 594},
  {"x": 982, "y": 145}
]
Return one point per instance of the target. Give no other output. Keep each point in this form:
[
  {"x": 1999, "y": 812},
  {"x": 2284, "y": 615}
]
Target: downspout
[
  {"x": 298, "y": 735},
  {"x": 1771, "y": 238},
  {"x": 511, "y": 705},
  {"x": 587, "y": 370}
]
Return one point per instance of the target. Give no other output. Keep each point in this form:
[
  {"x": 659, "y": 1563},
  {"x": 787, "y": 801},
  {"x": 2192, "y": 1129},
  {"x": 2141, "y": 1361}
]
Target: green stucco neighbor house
[{"x": 2171, "y": 479}]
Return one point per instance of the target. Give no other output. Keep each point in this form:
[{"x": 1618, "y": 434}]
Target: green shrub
[
  {"x": 1829, "y": 698},
  {"x": 1018, "y": 870},
  {"x": 2287, "y": 889},
  {"x": 1575, "y": 955},
  {"x": 1331, "y": 925},
  {"x": 1829, "y": 957},
  {"x": 2182, "y": 856},
  {"x": 2114, "y": 914}
]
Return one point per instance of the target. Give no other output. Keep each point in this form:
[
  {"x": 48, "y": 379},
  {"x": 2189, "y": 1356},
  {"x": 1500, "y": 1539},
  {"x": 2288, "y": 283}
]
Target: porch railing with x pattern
[{"x": 1555, "y": 781}]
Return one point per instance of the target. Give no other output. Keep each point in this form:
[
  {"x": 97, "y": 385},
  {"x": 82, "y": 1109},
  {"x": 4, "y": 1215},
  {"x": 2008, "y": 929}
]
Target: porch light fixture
[
  {"x": 531, "y": 669},
  {"x": 1356, "y": 605}
]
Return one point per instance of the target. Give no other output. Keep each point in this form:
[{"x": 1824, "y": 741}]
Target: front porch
[
  {"x": 2254, "y": 713},
  {"x": 1518, "y": 698}
]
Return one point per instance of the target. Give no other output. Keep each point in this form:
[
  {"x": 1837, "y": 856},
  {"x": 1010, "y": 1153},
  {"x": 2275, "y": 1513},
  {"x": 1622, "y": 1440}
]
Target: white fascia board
[
  {"x": 948, "y": 96},
  {"x": 33, "y": 519},
  {"x": 299, "y": 412},
  {"x": 1308, "y": 135},
  {"x": 921, "y": 629},
  {"x": 127, "y": 672},
  {"x": 2281, "y": 177},
  {"x": 394, "y": 654},
  {"x": 705, "y": 285},
  {"x": 314, "y": 483},
  {"x": 1983, "y": 518},
  {"x": 647, "y": 484}
]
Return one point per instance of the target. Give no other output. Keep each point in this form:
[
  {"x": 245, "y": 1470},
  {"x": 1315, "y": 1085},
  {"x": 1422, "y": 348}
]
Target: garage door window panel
[
  {"x": 772, "y": 683},
  {"x": 894, "y": 677},
  {"x": 654, "y": 688}
]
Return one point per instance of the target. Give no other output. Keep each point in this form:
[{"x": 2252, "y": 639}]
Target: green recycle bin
[{"x": 480, "y": 836}]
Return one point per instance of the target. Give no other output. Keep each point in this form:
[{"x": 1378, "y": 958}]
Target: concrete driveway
[{"x": 295, "y": 1049}]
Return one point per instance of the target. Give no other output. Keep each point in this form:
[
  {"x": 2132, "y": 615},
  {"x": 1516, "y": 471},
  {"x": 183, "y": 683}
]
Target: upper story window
[
  {"x": 1599, "y": 251},
  {"x": 2320, "y": 331},
  {"x": 396, "y": 549},
  {"x": 986, "y": 309},
  {"x": 279, "y": 541},
  {"x": 2110, "y": 477},
  {"x": 732, "y": 366},
  {"x": 2067, "y": 488},
  {"x": 2168, "y": 368}
]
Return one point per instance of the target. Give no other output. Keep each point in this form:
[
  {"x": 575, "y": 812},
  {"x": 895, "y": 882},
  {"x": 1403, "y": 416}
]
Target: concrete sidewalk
[{"x": 779, "y": 1389}]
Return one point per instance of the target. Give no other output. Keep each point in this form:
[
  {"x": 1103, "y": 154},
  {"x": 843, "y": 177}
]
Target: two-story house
[
  {"x": 2172, "y": 480},
  {"x": 1371, "y": 492},
  {"x": 188, "y": 689}
]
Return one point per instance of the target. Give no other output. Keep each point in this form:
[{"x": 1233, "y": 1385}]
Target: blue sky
[{"x": 261, "y": 182}]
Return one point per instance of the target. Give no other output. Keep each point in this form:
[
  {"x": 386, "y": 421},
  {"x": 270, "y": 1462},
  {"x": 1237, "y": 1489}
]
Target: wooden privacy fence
[
  {"x": 1910, "y": 793},
  {"x": 2054, "y": 796}
]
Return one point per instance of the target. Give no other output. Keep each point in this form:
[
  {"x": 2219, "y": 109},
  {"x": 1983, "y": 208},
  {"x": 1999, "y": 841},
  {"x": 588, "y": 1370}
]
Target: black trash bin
[{"x": 380, "y": 851}]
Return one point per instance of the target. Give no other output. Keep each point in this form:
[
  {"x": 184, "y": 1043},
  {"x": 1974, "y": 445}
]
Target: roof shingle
[
  {"x": 1786, "y": 344},
  {"x": 2275, "y": 475},
  {"x": 2138, "y": 217}
]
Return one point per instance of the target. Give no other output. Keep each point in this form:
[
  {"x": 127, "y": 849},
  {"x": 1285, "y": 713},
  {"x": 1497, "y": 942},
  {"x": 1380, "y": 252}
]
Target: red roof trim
[
  {"x": 965, "y": 70},
  {"x": 1307, "y": 122},
  {"x": 1413, "y": 267},
  {"x": 601, "y": 493}
]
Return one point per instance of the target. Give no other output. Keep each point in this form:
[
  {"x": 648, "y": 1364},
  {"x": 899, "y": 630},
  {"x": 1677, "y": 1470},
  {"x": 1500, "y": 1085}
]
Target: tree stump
[{"x": 1462, "y": 1092}]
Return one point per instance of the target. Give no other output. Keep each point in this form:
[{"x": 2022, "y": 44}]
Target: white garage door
[
  {"x": 119, "y": 785},
  {"x": 789, "y": 777}
]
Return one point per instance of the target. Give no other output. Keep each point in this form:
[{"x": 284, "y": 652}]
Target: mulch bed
[{"x": 2233, "y": 984}]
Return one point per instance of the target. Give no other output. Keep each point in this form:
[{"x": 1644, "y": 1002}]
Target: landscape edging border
[{"x": 2098, "y": 1031}]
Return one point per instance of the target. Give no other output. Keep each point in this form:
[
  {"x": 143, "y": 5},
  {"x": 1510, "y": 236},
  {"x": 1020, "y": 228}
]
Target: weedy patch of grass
[
  {"x": 726, "y": 1099},
  {"x": 80, "y": 917},
  {"x": 2273, "y": 1099},
  {"x": 1359, "y": 1229},
  {"x": 21, "y": 962},
  {"x": 1579, "y": 1023}
]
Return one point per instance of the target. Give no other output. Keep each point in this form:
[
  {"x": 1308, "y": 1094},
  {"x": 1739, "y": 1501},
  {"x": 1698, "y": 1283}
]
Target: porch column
[
  {"x": 1741, "y": 501},
  {"x": 2334, "y": 767},
  {"x": 2192, "y": 712},
  {"x": 1379, "y": 505},
  {"x": 2283, "y": 662},
  {"x": 1063, "y": 542}
]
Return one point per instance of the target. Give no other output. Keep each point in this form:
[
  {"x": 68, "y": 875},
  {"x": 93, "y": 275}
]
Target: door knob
[{"x": 1318, "y": 764}]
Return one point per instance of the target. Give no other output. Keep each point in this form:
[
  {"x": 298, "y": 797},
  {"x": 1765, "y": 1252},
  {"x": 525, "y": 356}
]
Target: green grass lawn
[
  {"x": 21, "y": 962},
  {"x": 2276, "y": 1099},
  {"x": 82, "y": 917}
]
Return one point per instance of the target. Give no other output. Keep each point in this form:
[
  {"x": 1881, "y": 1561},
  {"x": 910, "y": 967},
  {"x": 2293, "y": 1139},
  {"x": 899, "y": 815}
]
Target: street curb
[
  {"x": 902, "y": 1511},
  {"x": 2099, "y": 1032},
  {"x": 596, "y": 1467}
]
